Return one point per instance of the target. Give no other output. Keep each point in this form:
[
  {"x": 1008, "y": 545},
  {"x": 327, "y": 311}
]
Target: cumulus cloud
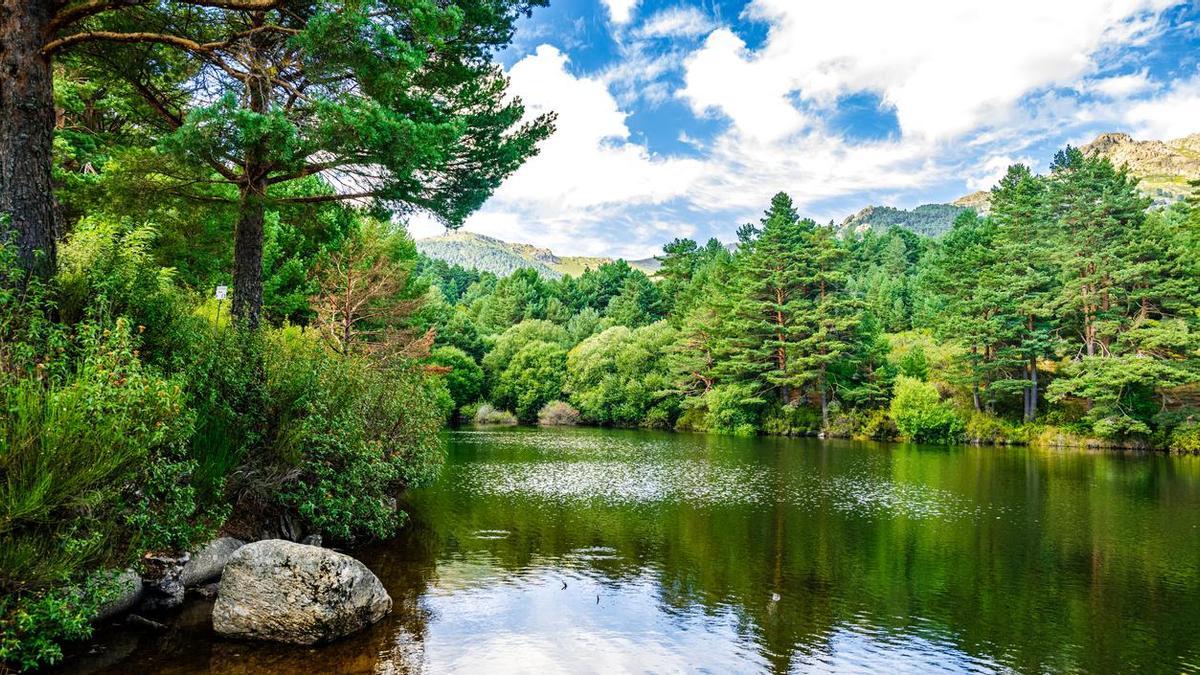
[
  {"x": 588, "y": 172},
  {"x": 989, "y": 173},
  {"x": 620, "y": 11},
  {"x": 1173, "y": 114},
  {"x": 974, "y": 87},
  {"x": 948, "y": 67},
  {"x": 1121, "y": 86}
]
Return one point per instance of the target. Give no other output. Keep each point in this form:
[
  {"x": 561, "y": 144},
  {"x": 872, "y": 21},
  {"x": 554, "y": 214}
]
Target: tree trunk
[
  {"x": 1033, "y": 389},
  {"x": 29, "y": 218},
  {"x": 248, "y": 256},
  {"x": 248, "y": 238},
  {"x": 824, "y": 406}
]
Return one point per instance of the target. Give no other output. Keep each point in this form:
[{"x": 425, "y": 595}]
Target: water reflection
[{"x": 607, "y": 551}]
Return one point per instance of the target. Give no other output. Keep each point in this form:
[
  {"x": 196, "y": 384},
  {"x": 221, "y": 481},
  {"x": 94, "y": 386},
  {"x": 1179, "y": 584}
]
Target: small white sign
[{"x": 222, "y": 292}]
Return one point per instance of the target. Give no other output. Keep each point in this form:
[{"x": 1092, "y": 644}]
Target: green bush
[
  {"x": 94, "y": 471},
  {"x": 533, "y": 378},
  {"x": 464, "y": 377},
  {"x": 732, "y": 409},
  {"x": 486, "y": 414},
  {"x": 992, "y": 430},
  {"x": 1185, "y": 438},
  {"x": 346, "y": 435},
  {"x": 558, "y": 414},
  {"x": 791, "y": 420},
  {"x": 921, "y": 415}
]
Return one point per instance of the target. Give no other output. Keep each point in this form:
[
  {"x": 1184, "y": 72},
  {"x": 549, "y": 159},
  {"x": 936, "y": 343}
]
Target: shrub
[
  {"x": 791, "y": 420},
  {"x": 533, "y": 378},
  {"x": 732, "y": 409},
  {"x": 485, "y": 414},
  {"x": 876, "y": 425},
  {"x": 921, "y": 415},
  {"x": 991, "y": 430},
  {"x": 346, "y": 434},
  {"x": 95, "y": 471},
  {"x": 1185, "y": 438},
  {"x": 558, "y": 414}
]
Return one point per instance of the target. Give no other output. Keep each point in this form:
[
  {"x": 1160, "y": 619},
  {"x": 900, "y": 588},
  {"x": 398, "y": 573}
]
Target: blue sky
[{"x": 682, "y": 119}]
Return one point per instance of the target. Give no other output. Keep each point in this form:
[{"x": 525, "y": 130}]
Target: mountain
[
  {"x": 1164, "y": 167},
  {"x": 489, "y": 254},
  {"x": 927, "y": 219},
  {"x": 980, "y": 201}
]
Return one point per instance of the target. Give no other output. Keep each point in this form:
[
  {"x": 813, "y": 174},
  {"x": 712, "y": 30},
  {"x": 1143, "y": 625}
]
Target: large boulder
[
  {"x": 207, "y": 563},
  {"x": 127, "y": 590},
  {"x": 288, "y": 592}
]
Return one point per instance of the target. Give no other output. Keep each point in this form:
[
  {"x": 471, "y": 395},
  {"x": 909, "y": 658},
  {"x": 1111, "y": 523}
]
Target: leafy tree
[
  {"x": 516, "y": 338},
  {"x": 921, "y": 415},
  {"x": 621, "y": 377},
  {"x": 532, "y": 378},
  {"x": 464, "y": 377},
  {"x": 395, "y": 100}
]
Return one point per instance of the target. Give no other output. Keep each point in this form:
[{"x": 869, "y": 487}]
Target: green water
[{"x": 685, "y": 553}]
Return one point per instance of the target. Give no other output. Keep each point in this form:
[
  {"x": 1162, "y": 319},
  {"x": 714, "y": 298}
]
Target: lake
[{"x": 604, "y": 551}]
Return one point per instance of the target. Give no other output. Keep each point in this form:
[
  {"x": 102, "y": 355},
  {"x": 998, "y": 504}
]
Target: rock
[
  {"x": 164, "y": 588},
  {"x": 312, "y": 540},
  {"x": 209, "y": 591},
  {"x": 139, "y": 621},
  {"x": 129, "y": 592},
  {"x": 207, "y": 563},
  {"x": 287, "y": 592}
]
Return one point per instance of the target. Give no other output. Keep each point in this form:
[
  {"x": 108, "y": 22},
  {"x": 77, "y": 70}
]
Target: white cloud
[
  {"x": 975, "y": 87},
  {"x": 990, "y": 171},
  {"x": 722, "y": 76},
  {"x": 948, "y": 67},
  {"x": 1121, "y": 86},
  {"x": 1173, "y": 114},
  {"x": 676, "y": 22},
  {"x": 588, "y": 172},
  {"x": 620, "y": 11}
]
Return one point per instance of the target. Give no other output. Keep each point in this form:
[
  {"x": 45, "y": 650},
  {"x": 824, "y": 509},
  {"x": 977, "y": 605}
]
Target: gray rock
[
  {"x": 287, "y": 592},
  {"x": 162, "y": 579},
  {"x": 129, "y": 592},
  {"x": 207, "y": 563},
  {"x": 312, "y": 540}
]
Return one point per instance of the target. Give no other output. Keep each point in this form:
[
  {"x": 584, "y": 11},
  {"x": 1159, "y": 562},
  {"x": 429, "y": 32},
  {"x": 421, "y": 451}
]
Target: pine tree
[
  {"x": 1026, "y": 282},
  {"x": 770, "y": 311}
]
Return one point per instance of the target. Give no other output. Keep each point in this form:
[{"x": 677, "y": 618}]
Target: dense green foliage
[
  {"x": 929, "y": 220},
  {"x": 1067, "y": 315},
  {"x": 263, "y": 144}
]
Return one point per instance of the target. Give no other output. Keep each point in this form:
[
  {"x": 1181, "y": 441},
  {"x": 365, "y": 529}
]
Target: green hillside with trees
[{"x": 1066, "y": 316}]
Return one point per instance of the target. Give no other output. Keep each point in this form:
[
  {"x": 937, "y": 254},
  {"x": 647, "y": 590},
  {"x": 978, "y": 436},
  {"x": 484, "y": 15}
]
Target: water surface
[{"x": 613, "y": 551}]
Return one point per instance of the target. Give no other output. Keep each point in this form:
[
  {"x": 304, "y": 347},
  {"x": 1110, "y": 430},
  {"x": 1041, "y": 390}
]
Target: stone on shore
[
  {"x": 287, "y": 592},
  {"x": 128, "y": 591},
  {"x": 207, "y": 563}
]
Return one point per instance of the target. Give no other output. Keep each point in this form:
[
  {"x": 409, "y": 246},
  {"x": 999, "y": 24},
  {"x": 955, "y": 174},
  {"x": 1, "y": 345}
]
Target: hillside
[
  {"x": 927, "y": 219},
  {"x": 488, "y": 254},
  {"x": 1164, "y": 167}
]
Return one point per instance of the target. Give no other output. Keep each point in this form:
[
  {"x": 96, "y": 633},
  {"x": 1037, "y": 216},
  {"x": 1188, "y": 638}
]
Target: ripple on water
[{"x": 704, "y": 483}]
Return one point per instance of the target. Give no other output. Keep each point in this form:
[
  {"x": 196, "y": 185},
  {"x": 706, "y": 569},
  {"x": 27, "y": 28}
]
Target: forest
[
  {"x": 1065, "y": 316},
  {"x": 151, "y": 153}
]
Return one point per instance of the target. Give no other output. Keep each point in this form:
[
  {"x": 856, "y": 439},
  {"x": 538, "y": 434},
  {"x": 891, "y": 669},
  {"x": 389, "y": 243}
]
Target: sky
[{"x": 678, "y": 119}]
